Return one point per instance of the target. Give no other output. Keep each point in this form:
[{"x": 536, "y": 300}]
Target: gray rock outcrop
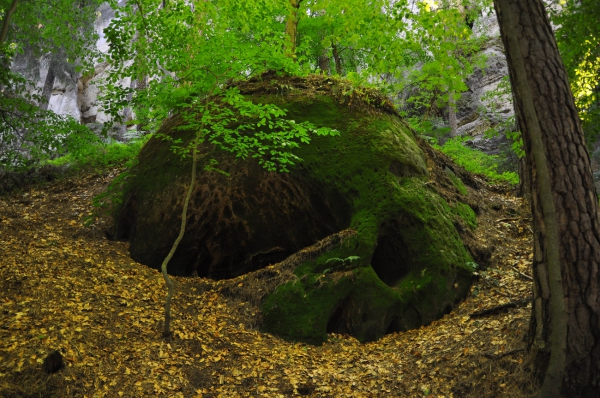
[
  {"x": 477, "y": 111},
  {"x": 72, "y": 93}
]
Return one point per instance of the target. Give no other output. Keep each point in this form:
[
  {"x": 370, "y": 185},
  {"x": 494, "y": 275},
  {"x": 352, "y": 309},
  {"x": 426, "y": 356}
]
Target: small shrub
[
  {"x": 89, "y": 153},
  {"x": 476, "y": 161}
]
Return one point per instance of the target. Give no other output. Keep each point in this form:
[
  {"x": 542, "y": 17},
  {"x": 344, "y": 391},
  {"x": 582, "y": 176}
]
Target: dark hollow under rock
[
  {"x": 236, "y": 224},
  {"x": 53, "y": 362}
]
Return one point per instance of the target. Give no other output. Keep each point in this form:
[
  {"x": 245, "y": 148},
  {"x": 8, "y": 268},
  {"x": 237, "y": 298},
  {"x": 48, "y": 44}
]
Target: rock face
[
  {"x": 475, "y": 112},
  {"x": 72, "y": 93},
  {"x": 406, "y": 265}
]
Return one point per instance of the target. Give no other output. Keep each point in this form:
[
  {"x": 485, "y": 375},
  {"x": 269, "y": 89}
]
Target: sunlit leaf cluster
[{"x": 578, "y": 37}]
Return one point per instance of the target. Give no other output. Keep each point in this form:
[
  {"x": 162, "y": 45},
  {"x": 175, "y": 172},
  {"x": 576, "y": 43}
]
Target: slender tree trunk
[
  {"x": 194, "y": 147},
  {"x": 142, "y": 84},
  {"x": 168, "y": 281},
  {"x": 127, "y": 112},
  {"x": 6, "y": 20},
  {"x": 4, "y": 61},
  {"x": 452, "y": 115},
  {"x": 48, "y": 84},
  {"x": 565, "y": 322},
  {"x": 324, "y": 62},
  {"x": 337, "y": 59},
  {"x": 291, "y": 27}
]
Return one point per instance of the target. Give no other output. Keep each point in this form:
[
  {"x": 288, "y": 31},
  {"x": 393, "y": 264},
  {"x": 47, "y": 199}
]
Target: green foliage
[
  {"x": 508, "y": 125},
  {"x": 442, "y": 44},
  {"x": 44, "y": 26},
  {"x": 475, "y": 161},
  {"x": 190, "y": 51},
  {"x": 472, "y": 266},
  {"x": 383, "y": 40},
  {"x": 429, "y": 128},
  {"x": 246, "y": 129},
  {"x": 187, "y": 52},
  {"x": 343, "y": 261},
  {"x": 28, "y": 134},
  {"x": 225, "y": 41},
  {"x": 87, "y": 151},
  {"x": 578, "y": 36}
]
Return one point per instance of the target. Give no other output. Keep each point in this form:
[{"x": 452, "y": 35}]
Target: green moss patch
[
  {"x": 412, "y": 267},
  {"x": 466, "y": 213},
  {"x": 458, "y": 184}
]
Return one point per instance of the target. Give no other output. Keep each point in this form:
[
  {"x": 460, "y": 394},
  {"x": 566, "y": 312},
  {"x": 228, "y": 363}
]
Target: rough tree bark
[{"x": 566, "y": 341}]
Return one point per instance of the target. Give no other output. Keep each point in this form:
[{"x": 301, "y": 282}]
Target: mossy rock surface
[{"x": 405, "y": 267}]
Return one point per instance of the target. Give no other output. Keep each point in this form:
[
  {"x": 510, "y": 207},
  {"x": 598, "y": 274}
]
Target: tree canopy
[{"x": 372, "y": 42}]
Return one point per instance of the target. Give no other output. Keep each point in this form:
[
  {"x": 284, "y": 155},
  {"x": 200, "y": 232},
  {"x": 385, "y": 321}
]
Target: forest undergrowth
[{"x": 66, "y": 287}]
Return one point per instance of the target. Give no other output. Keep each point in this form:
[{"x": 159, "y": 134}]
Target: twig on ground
[
  {"x": 522, "y": 274},
  {"x": 491, "y": 355},
  {"x": 508, "y": 219},
  {"x": 499, "y": 308}
]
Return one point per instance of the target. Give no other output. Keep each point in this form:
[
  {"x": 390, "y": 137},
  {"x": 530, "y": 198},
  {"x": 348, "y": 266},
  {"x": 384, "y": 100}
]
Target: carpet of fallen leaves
[{"x": 66, "y": 287}]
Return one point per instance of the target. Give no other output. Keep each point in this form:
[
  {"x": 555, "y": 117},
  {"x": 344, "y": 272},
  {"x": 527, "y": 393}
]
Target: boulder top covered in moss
[{"x": 404, "y": 265}]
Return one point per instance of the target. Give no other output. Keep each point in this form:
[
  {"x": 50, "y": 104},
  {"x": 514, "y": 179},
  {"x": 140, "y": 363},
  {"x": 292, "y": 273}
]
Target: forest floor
[{"x": 66, "y": 287}]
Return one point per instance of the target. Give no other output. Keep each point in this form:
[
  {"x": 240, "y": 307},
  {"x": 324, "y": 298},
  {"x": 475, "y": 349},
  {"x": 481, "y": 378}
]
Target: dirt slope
[{"x": 65, "y": 287}]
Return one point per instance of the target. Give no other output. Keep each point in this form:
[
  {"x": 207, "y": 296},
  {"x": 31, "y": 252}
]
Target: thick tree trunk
[
  {"x": 337, "y": 59},
  {"x": 542, "y": 94},
  {"x": 291, "y": 27},
  {"x": 48, "y": 84},
  {"x": 323, "y": 62}
]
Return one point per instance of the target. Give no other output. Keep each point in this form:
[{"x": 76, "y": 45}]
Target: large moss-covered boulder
[{"x": 404, "y": 267}]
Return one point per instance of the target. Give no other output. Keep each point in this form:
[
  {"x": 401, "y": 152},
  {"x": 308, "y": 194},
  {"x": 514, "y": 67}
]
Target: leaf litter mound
[{"x": 66, "y": 287}]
